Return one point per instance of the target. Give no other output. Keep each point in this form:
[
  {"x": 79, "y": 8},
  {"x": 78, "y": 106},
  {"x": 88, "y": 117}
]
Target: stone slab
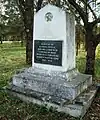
[
  {"x": 65, "y": 85},
  {"x": 47, "y": 54},
  {"x": 77, "y": 109}
]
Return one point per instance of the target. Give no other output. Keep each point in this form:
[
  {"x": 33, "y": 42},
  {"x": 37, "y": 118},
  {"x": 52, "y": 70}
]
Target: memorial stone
[
  {"x": 53, "y": 78},
  {"x": 54, "y": 39}
]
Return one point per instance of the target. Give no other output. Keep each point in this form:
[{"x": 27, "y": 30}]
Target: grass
[{"x": 12, "y": 57}]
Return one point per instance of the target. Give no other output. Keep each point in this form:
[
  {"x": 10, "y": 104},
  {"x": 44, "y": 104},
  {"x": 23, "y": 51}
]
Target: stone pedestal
[
  {"x": 69, "y": 92},
  {"x": 64, "y": 85},
  {"x": 77, "y": 108}
]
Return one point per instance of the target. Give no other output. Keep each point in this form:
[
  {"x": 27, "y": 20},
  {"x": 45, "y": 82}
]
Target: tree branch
[
  {"x": 95, "y": 22},
  {"x": 80, "y": 10},
  {"x": 58, "y": 3},
  {"x": 70, "y": 7},
  {"x": 84, "y": 2},
  {"x": 39, "y": 3}
]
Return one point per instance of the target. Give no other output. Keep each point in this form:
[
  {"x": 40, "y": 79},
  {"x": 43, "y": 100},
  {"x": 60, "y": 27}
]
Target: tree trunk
[
  {"x": 26, "y": 8},
  {"x": 28, "y": 22},
  {"x": 29, "y": 42},
  {"x": 90, "y": 57}
]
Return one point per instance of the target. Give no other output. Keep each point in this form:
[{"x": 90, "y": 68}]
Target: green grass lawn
[{"x": 12, "y": 57}]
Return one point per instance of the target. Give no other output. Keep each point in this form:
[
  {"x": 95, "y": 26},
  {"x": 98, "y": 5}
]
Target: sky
[{"x": 1, "y": 8}]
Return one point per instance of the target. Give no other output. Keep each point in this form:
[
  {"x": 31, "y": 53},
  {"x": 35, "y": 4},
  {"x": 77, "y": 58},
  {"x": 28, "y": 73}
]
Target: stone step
[
  {"x": 85, "y": 96},
  {"x": 81, "y": 103},
  {"x": 53, "y": 85},
  {"x": 77, "y": 108}
]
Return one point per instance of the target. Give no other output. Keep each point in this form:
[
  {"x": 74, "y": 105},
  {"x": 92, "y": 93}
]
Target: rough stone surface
[
  {"x": 65, "y": 85},
  {"x": 77, "y": 108}
]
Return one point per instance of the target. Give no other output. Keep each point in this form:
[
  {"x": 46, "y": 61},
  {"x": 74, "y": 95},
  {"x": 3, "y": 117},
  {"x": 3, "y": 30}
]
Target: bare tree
[{"x": 91, "y": 38}]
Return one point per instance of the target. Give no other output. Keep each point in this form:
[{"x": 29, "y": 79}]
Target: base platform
[
  {"x": 66, "y": 91},
  {"x": 63, "y": 85},
  {"x": 77, "y": 108}
]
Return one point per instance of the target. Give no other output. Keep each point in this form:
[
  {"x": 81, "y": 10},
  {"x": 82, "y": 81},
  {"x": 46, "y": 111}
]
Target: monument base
[
  {"x": 63, "y": 85},
  {"x": 77, "y": 108},
  {"x": 61, "y": 90}
]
